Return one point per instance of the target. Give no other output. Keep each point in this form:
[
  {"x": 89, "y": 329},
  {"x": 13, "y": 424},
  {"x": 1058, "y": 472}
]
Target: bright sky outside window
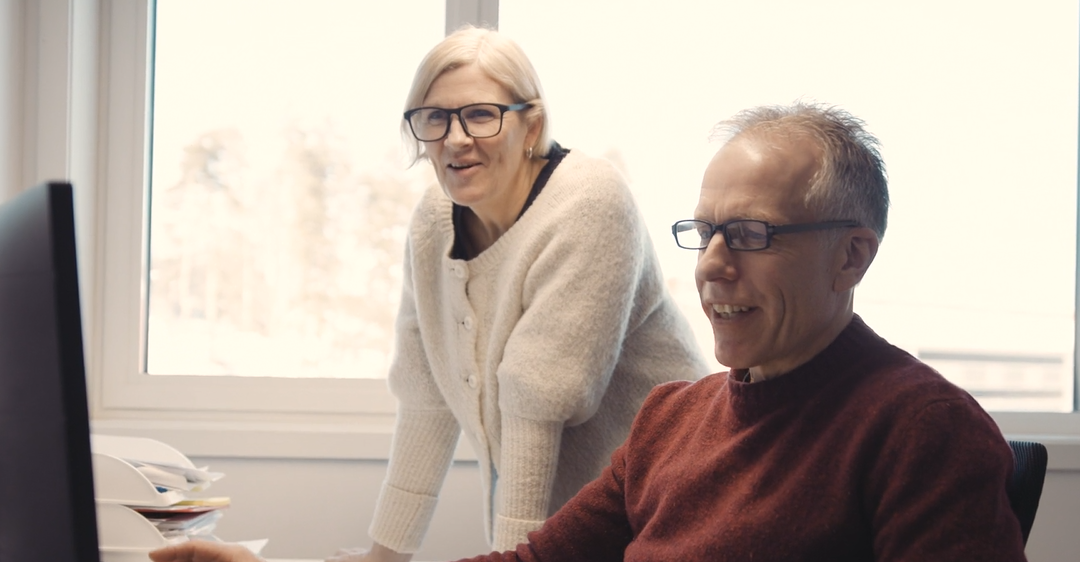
[
  {"x": 975, "y": 104},
  {"x": 290, "y": 120},
  {"x": 279, "y": 193}
]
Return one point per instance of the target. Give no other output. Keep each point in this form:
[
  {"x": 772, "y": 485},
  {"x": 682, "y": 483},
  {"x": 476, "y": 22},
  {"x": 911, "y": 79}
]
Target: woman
[{"x": 534, "y": 315}]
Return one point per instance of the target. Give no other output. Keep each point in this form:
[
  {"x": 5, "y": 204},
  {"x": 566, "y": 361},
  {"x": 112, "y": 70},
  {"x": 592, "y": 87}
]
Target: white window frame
[
  {"x": 240, "y": 416},
  {"x": 125, "y": 385},
  {"x": 235, "y": 416}
]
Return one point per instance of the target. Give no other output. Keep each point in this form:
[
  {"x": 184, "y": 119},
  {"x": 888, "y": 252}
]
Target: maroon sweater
[{"x": 864, "y": 453}]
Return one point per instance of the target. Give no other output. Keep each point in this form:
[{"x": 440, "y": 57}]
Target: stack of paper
[
  {"x": 176, "y": 477},
  {"x": 188, "y": 518},
  {"x": 142, "y": 487}
]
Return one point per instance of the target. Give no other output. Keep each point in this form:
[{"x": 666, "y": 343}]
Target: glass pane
[
  {"x": 975, "y": 104},
  {"x": 279, "y": 193}
]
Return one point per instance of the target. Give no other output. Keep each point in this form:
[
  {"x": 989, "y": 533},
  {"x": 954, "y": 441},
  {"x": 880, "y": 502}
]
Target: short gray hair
[{"x": 851, "y": 182}]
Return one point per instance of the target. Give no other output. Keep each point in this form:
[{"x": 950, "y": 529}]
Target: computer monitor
[{"x": 46, "y": 480}]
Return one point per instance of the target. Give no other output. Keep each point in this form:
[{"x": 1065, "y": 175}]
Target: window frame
[
  {"x": 125, "y": 254},
  {"x": 259, "y": 416},
  {"x": 207, "y": 415}
]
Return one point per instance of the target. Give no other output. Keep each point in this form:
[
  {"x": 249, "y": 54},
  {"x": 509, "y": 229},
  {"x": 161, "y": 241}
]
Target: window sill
[
  {"x": 1063, "y": 453},
  {"x": 310, "y": 441},
  {"x": 325, "y": 441}
]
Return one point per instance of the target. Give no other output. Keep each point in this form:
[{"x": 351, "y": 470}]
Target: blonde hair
[{"x": 497, "y": 56}]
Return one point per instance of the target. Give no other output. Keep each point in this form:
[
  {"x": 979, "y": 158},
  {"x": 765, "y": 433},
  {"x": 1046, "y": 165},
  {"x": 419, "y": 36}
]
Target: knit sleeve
[
  {"x": 593, "y": 526},
  {"x": 425, "y": 435},
  {"x": 938, "y": 492},
  {"x": 593, "y": 274},
  {"x": 586, "y": 286},
  {"x": 529, "y": 460}
]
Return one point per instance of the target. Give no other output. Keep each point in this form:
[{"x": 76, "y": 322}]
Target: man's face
[{"x": 774, "y": 309}]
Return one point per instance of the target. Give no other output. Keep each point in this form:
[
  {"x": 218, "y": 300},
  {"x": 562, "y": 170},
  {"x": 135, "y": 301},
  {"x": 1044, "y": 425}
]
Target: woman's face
[{"x": 488, "y": 175}]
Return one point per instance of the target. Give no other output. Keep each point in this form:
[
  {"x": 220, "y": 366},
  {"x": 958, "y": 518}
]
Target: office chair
[{"x": 1025, "y": 487}]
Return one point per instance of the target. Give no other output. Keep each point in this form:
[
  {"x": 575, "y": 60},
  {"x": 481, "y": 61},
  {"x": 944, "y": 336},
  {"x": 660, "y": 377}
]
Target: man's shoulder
[
  {"x": 906, "y": 391},
  {"x": 680, "y": 393},
  {"x": 676, "y": 404},
  {"x": 884, "y": 368},
  {"x": 910, "y": 379}
]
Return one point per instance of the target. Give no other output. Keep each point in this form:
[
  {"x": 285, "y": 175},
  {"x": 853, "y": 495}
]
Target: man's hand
[{"x": 204, "y": 551}]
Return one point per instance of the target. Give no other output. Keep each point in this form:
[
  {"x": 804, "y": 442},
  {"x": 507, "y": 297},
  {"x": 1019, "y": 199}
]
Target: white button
[
  {"x": 468, "y": 322},
  {"x": 472, "y": 381},
  {"x": 459, "y": 271}
]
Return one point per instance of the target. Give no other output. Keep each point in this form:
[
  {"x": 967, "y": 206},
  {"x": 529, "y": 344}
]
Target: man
[{"x": 823, "y": 442}]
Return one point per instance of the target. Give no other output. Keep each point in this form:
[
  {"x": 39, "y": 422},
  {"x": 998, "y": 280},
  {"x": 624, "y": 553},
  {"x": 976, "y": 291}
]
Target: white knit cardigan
[{"x": 541, "y": 349}]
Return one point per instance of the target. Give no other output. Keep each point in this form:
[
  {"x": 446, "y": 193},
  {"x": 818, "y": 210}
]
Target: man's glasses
[
  {"x": 745, "y": 235},
  {"x": 478, "y": 120}
]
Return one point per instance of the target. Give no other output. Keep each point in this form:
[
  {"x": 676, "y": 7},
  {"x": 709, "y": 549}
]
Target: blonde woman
[{"x": 534, "y": 317}]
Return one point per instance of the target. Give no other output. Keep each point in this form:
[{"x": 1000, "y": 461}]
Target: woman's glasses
[{"x": 478, "y": 120}]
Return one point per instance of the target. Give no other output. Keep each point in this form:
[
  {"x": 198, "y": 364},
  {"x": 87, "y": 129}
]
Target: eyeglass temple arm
[{"x": 791, "y": 228}]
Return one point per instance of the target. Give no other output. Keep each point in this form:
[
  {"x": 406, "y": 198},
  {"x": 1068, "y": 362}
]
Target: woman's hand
[
  {"x": 204, "y": 551},
  {"x": 378, "y": 553}
]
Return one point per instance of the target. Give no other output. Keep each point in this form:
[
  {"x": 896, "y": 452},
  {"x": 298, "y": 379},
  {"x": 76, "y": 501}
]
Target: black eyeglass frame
[
  {"x": 770, "y": 230},
  {"x": 503, "y": 108}
]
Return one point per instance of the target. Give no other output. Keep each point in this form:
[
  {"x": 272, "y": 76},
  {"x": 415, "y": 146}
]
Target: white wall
[
  {"x": 1055, "y": 536},
  {"x": 11, "y": 75},
  {"x": 48, "y": 107},
  {"x": 310, "y": 508}
]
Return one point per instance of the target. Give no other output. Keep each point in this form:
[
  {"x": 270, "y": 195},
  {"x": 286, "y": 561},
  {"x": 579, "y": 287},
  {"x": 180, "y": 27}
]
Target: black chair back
[{"x": 1025, "y": 488}]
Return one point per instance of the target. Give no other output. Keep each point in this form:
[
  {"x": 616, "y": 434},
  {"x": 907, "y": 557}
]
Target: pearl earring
[{"x": 528, "y": 153}]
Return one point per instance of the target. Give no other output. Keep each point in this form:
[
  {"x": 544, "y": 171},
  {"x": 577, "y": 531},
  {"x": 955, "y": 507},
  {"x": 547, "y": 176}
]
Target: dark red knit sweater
[{"x": 862, "y": 454}]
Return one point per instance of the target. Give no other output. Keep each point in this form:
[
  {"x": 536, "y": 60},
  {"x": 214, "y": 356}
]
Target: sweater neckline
[
  {"x": 855, "y": 344},
  {"x": 461, "y": 248},
  {"x": 554, "y": 194}
]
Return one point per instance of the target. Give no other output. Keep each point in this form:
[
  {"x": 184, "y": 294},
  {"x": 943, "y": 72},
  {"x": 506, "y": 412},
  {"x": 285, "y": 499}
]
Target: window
[
  {"x": 278, "y": 191},
  {"x": 276, "y": 205},
  {"x": 956, "y": 99},
  {"x": 976, "y": 273}
]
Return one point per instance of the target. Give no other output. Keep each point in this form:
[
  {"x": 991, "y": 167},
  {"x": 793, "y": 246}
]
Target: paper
[
  {"x": 184, "y": 524},
  {"x": 254, "y": 546},
  {"x": 176, "y": 477}
]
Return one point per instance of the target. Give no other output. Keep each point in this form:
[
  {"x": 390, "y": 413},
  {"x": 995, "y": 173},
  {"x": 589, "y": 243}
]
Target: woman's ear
[
  {"x": 855, "y": 252},
  {"x": 535, "y": 121}
]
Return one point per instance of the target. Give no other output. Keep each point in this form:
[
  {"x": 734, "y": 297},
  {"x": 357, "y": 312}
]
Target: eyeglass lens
[
  {"x": 479, "y": 120},
  {"x": 746, "y": 235},
  {"x": 738, "y": 235}
]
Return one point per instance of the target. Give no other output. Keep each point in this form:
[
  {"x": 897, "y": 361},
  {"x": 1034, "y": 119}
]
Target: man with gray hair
[{"x": 823, "y": 441}]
